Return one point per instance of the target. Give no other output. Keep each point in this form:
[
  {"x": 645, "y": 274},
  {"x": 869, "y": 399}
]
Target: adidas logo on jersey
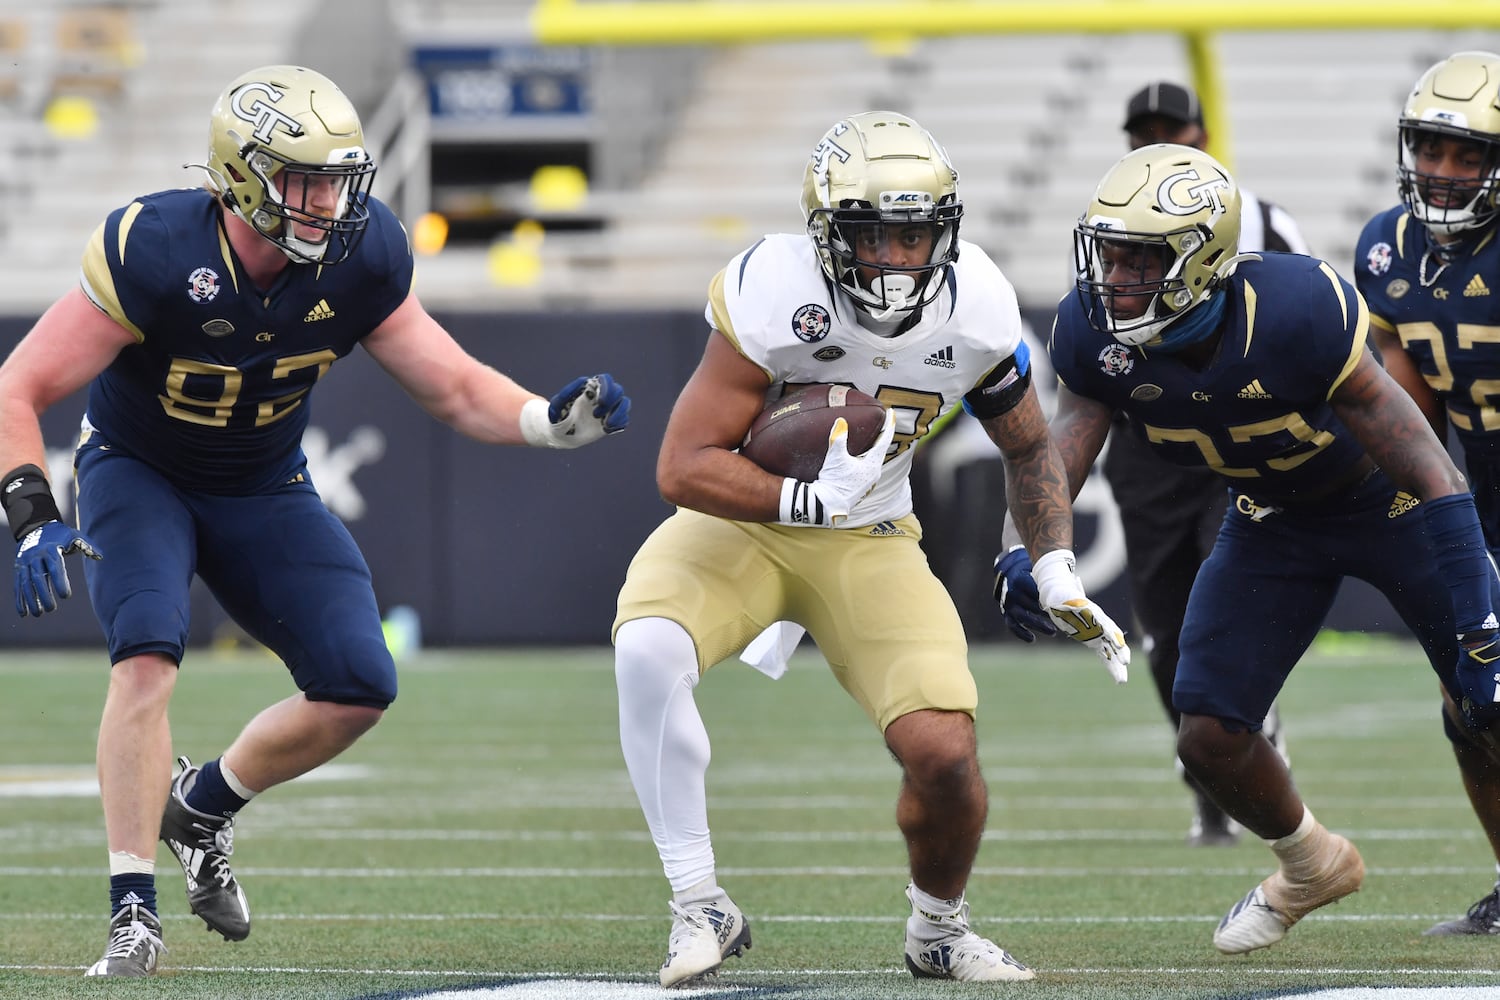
[
  {"x": 885, "y": 528},
  {"x": 1475, "y": 288},
  {"x": 1253, "y": 391},
  {"x": 320, "y": 311},
  {"x": 1401, "y": 503},
  {"x": 941, "y": 359}
]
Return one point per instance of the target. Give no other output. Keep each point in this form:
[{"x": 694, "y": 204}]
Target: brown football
[{"x": 790, "y": 436}]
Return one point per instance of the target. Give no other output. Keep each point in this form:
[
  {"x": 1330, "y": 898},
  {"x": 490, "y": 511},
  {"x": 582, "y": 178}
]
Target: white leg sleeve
[{"x": 665, "y": 744}]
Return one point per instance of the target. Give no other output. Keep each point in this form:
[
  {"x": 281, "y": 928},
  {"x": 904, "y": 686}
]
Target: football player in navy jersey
[
  {"x": 203, "y": 320},
  {"x": 1256, "y": 366},
  {"x": 879, "y": 294},
  {"x": 1430, "y": 270}
]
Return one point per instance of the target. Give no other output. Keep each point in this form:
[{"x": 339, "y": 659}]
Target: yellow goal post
[{"x": 736, "y": 22}]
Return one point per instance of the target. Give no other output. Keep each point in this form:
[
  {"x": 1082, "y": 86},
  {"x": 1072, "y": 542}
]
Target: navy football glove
[
  {"x": 1479, "y": 677},
  {"x": 1015, "y": 589},
  {"x": 583, "y": 411},
  {"x": 41, "y": 573}
]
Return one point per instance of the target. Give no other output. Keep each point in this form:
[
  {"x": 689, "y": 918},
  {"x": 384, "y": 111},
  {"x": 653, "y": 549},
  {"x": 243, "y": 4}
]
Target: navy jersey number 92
[{"x": 214, "y": 391}]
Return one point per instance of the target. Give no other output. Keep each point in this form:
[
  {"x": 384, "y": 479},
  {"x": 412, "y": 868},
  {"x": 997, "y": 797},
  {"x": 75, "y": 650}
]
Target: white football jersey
[{"x": 775, "y": 306}]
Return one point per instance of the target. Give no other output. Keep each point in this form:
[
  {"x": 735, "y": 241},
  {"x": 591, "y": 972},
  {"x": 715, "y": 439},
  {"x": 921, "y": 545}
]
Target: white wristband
[
  {"x": 1056, "y": 577},
  {"x": 800, "y": 504},
  {"x": 536, "y": 427}
]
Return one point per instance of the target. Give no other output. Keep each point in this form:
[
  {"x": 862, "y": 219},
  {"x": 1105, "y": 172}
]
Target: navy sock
[
  {"x": 211, "y": 795},
  {"x": 133, "y": 884}
]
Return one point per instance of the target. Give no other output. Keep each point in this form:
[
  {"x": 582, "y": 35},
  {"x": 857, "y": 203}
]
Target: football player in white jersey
[{"x": 881, "y": 295}]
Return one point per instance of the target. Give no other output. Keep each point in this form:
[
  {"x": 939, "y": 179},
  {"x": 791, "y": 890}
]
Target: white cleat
[
  {"x": 703, "y": 935},
  {"x": 1250, "y": 924},
  {"x": 1269, "y": 910},
  {"x": 945, "y": 948}
]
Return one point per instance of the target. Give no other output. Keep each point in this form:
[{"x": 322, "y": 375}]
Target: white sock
[
  {"x": 929, "y": 906},
  {"x": 665, "y": 744},
  {"x": 702, "y": 892}
]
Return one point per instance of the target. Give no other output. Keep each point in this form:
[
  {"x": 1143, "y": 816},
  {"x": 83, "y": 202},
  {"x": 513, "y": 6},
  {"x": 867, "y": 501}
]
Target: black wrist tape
[{"x": 27, "y": 500}]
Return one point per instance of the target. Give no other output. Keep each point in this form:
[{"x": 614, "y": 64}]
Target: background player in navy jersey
[
  {"x": 204, "y": 318},
  {"x": 1257, "y": 366},
  {"x": 1430, "y": 270}
]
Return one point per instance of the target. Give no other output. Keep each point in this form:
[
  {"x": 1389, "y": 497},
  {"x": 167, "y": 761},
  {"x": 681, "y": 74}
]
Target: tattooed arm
[
  {"x": 1395, "y": 432},
  {"x": 1044, "y": 471},
  {"x": 1041, "y": 480},
  {"x": 1036, "y": 481}
]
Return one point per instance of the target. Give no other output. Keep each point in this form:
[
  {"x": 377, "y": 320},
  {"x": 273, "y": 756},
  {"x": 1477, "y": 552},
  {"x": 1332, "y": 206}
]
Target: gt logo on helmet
[
  {"x": 265, "y": 117},
  {"x": 1200, "y": 193}
]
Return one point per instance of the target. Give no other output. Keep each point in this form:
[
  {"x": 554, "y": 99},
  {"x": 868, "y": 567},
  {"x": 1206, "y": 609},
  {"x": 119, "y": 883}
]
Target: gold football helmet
[
  {"x": 1163, "y": 228},
  {"x": 285, "y": 150},
  {"x": 1458, "y": 98},
  {"x": 871, "y": 171}
]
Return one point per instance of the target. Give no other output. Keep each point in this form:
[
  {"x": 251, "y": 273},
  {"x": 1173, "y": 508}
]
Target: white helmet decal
[
  {"x": 262, "y": 115},
  {"x": 1178, "y": 198}
]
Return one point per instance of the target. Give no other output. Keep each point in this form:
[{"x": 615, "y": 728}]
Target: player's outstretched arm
[{"x": 482, "y": 403}]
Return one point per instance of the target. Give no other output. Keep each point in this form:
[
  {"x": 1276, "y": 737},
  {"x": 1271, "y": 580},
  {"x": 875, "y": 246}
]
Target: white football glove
[
  {"x": 1077, "y": 617},
  {"x": 842, "y": 483}
]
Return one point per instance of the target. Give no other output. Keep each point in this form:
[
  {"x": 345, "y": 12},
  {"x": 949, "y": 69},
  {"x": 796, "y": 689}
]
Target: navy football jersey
[
  {"x": 1258, "y": 414},
  {"x": 1451, "y": 328},
  {"x": 214, "y": 391}
]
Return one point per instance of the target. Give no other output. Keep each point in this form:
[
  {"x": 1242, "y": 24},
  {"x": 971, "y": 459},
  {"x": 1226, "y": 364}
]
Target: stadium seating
[
  {"x": 152, "y": 118},
  {"x": 1031, "y": 122}
]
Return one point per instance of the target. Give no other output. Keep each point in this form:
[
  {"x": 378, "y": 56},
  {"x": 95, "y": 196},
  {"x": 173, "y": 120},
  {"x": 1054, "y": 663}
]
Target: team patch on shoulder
[
  {"x": 1397, "y": 288},
  {"x": 1378, "y": 260},
  {"x": 1116, "y": 360},
  {"x": 203, "y": 285},
  {"x": 811, "y": 323}
]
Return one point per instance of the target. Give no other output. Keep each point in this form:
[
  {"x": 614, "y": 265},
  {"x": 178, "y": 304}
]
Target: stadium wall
[{"x": 517, "y": 546}]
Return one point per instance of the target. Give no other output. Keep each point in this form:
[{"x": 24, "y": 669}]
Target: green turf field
[{"x": 485, "y": 838}]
